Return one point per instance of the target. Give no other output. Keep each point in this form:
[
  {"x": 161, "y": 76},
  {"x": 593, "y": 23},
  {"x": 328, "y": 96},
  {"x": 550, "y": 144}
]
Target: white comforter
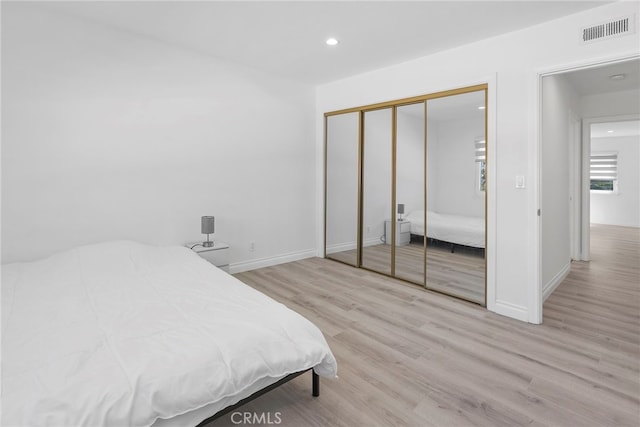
[{"x": 120, "y": 334}]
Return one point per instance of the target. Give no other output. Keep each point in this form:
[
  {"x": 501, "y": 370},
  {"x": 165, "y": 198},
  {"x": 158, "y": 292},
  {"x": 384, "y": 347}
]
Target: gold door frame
[{"x": 394, "y": 105}]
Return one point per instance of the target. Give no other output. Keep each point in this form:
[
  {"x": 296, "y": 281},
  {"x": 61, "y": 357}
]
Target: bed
[
  {"x": 454, "y": 229},
  {"x": 122, "y": 333}
]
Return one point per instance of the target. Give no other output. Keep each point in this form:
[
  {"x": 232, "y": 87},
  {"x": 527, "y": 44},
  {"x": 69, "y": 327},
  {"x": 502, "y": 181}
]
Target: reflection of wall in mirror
[
  {"x": 410, "y": 161},
  {"x": 432, "y": 164},
  {"x": 453, "y": 178},
  {"x": 342, "y": 182},
  {"x": 377, "y": 175}
]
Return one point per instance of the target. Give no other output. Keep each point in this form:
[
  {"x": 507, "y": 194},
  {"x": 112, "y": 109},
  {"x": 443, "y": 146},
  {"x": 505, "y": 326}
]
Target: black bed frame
[
  {"x": 315, "y": 392},
  {"x": 416, "y": 238}
]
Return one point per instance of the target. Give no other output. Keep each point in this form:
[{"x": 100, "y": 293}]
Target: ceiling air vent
[{"x": 614, "y": 28}]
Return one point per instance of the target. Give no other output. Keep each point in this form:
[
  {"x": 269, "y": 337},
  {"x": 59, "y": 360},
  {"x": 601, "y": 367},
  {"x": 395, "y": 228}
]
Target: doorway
[
  {"x": 609, "y": 157},
  {"x": 589, "y": 95}
]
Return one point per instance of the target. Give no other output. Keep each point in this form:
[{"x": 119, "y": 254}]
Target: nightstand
[
  {"x": 218, "y": 254},
  {"x": 403, "y": 232}
]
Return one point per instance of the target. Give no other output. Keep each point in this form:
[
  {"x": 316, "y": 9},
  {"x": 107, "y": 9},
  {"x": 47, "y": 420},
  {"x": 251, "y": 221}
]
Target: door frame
[{"x": 576, "y": 168}]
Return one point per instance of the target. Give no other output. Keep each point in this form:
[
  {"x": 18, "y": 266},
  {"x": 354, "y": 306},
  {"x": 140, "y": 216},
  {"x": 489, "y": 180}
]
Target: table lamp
[{"x": 208, "y": 227}]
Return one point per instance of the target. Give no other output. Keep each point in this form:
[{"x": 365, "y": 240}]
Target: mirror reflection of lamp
[{"x": 400, "y": 211}]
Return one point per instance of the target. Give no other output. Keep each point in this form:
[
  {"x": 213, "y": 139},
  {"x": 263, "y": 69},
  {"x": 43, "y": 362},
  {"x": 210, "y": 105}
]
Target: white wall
[
  {"x": 514, "y": 61},
  {"x": 110, "y": 135},
  {"x": 621, "y": 208}
]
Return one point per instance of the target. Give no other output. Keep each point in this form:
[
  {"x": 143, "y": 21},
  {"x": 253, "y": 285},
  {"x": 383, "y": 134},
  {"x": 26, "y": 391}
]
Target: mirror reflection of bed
[{"x": 455, "y": 252}]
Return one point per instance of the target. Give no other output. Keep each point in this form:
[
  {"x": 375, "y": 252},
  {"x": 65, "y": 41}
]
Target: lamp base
[{"x": 207, "y": 244}]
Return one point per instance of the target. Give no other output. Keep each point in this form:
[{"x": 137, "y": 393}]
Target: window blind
[
  {"x": 604, "y": 166},
  {"x": 481, "y": 150}
]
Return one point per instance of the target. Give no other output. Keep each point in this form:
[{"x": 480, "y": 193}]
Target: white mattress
[
  {"x": 458, "y": 229},
  {"x": 123, "y": 334}
]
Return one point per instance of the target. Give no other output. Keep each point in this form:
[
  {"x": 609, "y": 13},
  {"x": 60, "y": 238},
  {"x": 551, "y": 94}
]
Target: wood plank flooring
[
  {"x": 460, "y": 273},
  {"x": 410, "y": 357}
]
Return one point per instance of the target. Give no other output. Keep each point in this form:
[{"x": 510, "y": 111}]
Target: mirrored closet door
[
  {"x": 410, "y": 192},
  {"x": 456, "y": 183},
  {"x": 406, "y": 185},
  {"x": 376, "y": 190},
  {"x": 341, "y": 187}
]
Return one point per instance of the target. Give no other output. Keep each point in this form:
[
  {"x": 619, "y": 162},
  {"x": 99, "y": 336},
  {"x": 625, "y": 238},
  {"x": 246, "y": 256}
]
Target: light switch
[{"x": 520, "y": 181}]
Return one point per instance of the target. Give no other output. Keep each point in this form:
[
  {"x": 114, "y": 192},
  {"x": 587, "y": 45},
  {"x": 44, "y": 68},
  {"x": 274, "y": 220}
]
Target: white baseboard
[
  {"x": 239, "y": 267},
  {"x": 372, "y": 242},
  {"x": 341, "y": 247},
  {"x": 514, "y": 311},
  {"x": 548, "y": 288}
]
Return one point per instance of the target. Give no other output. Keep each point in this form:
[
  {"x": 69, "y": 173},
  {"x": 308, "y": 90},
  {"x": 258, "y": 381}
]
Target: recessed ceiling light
[
  {"x": 332, "y": 42},
  {"x": 482, "y": 107},
  {"x": 617, "y": 77},
  {"x": 609, "y": 131}
]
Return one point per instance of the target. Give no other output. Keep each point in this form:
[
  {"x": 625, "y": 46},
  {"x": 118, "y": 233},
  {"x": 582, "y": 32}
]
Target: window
[
  {"x": 481, "y": 161},
  {"x": 603, "y": 172}
]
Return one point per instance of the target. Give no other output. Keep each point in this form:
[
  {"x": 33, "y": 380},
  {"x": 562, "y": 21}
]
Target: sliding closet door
[
  {"x": 410, "y": 192},
  {"x": 377, "y": 212},
  {"x": 406, "y": 190},
  {"x": 341, "y": 197},
  {"x": 456, "y": 187}
]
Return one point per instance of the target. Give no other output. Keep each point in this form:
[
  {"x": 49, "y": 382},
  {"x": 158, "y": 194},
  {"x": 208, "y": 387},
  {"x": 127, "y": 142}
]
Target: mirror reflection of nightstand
[
  {"x": 403, "y": 232},
  {"x": 218, "y": 254}
]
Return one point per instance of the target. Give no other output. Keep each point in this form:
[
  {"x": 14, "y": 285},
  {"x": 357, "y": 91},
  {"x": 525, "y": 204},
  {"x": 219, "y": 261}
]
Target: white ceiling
[
  {"x": 615, "y": 129},
  {"x": 597, "y": 80},
  {"x": 287, "y": 38}
]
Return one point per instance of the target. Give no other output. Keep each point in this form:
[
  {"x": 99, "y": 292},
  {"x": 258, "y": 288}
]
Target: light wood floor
[
  {"x": 460, "y": 273},
  {"x": 410, "y": 357}
]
